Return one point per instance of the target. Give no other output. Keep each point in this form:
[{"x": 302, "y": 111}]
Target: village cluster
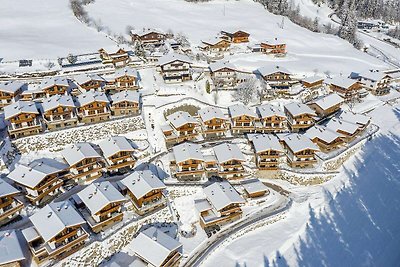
[{"x": 198, "y": 146}]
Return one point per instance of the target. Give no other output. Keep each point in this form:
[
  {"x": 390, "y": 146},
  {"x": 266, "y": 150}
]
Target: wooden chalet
[
  {"x": 215, "y": 45},
  {"x": 223, "y": 75},
  {"x": 243, "y": 119},
  {"x": 59, "y": 111},
  {"x": 345, "y": 87},
  {"x": 235, "y": 36},
  {"x": 119, "y": 59},
  {"x": 268, "y": 151},
  {"x": 54, "y": 86},
  {"x": 187, "y": 162},
  {"x": 274, "y": 47},
  {"x": 377, "y": 82},
  {"x": 348, "y": 130},
  {"x": 175, "y": 68},
  {"x": 165, "y": 250},
  {"x": 312, "y": 82},
  {"x": 149, "y": 37},
  {"x": 90, "y": 81},
  {"x": 221, "y": 206},
  {"x": 125, "y": 79},
  {"x": 182, "y": 126},
  {"x": 300, "y": 151},
  {"x": 325, "y": 138},
  {"x": 93, "y": 106},
  {"x": 272, "y": 119},
  {"x": 101, "y": 205},
  {"x": 23, "y": 119},
  {"x": 213, "y": 122},
  {"x": 254, "y": 188},
  {"x": 145, "y": 190},
  {"x": 277, "y": 77},
  {"x": 230, "y": 160},
  {"x": 361, "y": 120},
  {"x": 10, "y": 92},
  {"x": 40, "y": 180},
  {"x": 327, "y": 105},
  {"x": 299, "y": 116},
  {"x": 118, "y": 154},
  {"x": 85, "y": 163},
  {"x": 125, "y": 103},
  {"x": 14, "y": 250},
  {"x": 57, "y": 232},
  {"x": 10, "y": 206}
]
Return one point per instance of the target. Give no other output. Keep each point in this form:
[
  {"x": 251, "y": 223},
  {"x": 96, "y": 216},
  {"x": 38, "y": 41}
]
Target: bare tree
[{"x": 246, "y": 91}]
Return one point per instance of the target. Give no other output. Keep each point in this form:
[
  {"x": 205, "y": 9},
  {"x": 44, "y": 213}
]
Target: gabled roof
[
  {"x": 270, "y": 69},
  {"x": 226, "y": 152},
  {"x": 6, "y": 189},
  {"x": 87, "y": 77},
  {"x": 221, "y": 65},
  {"x": 34, "y": 173},
  {"x": 297, "y": 109},
  {"x": 340, "y": 125},
  {"x": 140, "y": 183},
  {"x": 173, "y": 57},
  {"x": 209, "y": 113},
  {"x": 222, "y": 194},
  {"x": 145, "y": 31},
  {"x": 98, "y": 195},
  {"x": 312, "y": 79},
  {"x": 213, "y": 41},
  {"x": 374, "y": 76},
  {"x": 273, "y": 42},
  {"x": 322, "y": 133},
  {"x": 56, "y": 101},
  {"x": 154, "y": 246},
  {"x": 328, "y": 101},
  {"x": 342, "y": 82},
  {"x": 126, "y": 72},
  {"x": 127, "y": 95},
  {"x": 90, "y": 97},
  {"x": 186, "y": 151},
  {"x": 268, "y": 110},
  {"x": 53, "y": 81},
  {"x": 354, "y": 117},
  {"x": 11, "y": 87},
  {"x": 232, "y": 32},
  {"x": 181, "y": 118},
  {"x": 298, "y": 142},
  {"x": 114, "y": 144},
  {"x": 78, "y": 152},
  {"x": 11, "y": 247},
  {"x": 54, "y": 218},
  {"x": 20, "y": 107},
  {"x": 254, "y": 186},
  {"x": 241, "y": 110},
  {"x": 265, "y": 142}
]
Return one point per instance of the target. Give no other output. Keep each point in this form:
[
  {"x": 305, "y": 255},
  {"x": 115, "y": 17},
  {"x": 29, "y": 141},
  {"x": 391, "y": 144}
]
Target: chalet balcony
[
  {"x": 25, "y": 124},
  {"x": 172, "y": 259},
  {"x": 150, "y": 204},
  {"x": 211, "y": 218},
  {"x": 189, "y": 170},
  {"x": 10, "y": 208}
]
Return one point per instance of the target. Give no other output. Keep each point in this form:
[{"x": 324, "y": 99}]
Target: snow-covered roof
[
  {"x": 140, "y": 183},
  {"x": 6, "y": 189},
  {"x": 222, "y": 194},
  {"x": 186, "y": 151},
  {"x": 241, "y": 110},
  {"x": 254, "y": 186},
  {"x": 273, "y": 42},
  {"x": 341, "y": 125},
  {"x": 126, "y": 72},
  {"x": 213, "y": 41},
  {"x": 56, "y": 101},
  {"x": 173, "y": 57},
  {"x": 98, "y": 195},
  {"x": 127, "y": 95},
  {"x": 265, "y": 142},
  {"x": 78, "y": 152},
  {"x": 354, "y": 117},
  {"x": 11, "y": 247},
  {"x": 322, "y": 133},
  {"x": 34, "y": 173},
  {"x": 54, "y": 218},
  {"x": 145, "y": 31},
  {"x": 221, "y": 65},
  {"x": 270, "y": 69},
  {"x": 328, "y": 101},
  {"x": 297, "y": 109},
  {"x": 87, "y": 77},
  {"x": 226, "y": 152},
  {"x": 202, "y": 205},
  {"x": 313, "y": 79},
  {"x": 114, "y": 144},
  {"x": 342, "y": 82},
  {"x": 373, "y": 75},
  {"x": 268, "y": 110},
  {"x": 11, "y": 87},
  {"x": 53, "y": 81},
  {"x": 19, "y": 107},
  {"x": 154, "y": 246},
  {"x": 298, "y": 142},
  {"x": 209, "y": 113},
  {"x": 90, "y": 97},
  {"x": 181, "y": 118}
]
